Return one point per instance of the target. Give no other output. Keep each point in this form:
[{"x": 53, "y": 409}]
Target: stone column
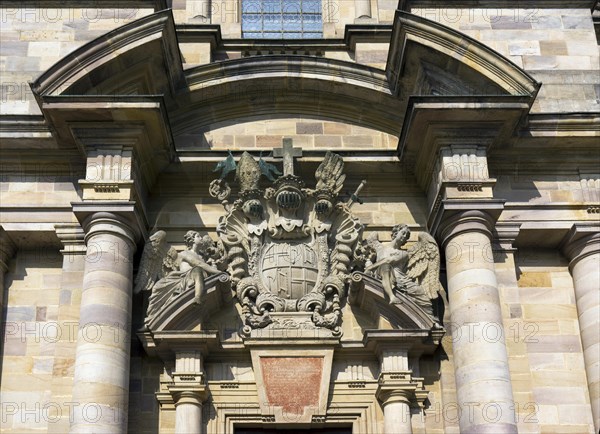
[
  {"x": 395, "y": 391},
  {"x": 363, "y": 9},
  {"x": 7, "y": 251},
  {"x": 188, "y": 391},
  {"x": 101, "y": 381},
  {"x": 582, "y": 247},
  {"x": 483, "y": 383},
  {"x": 396, "y": 412},
  {"x": 188, "y": 413}
]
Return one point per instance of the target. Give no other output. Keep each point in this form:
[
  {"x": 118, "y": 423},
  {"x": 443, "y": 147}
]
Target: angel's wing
[
  {"x": 152, "y": 263},
  {"x": 329, "y": 174},
  {"x": 424, "y": 265}
]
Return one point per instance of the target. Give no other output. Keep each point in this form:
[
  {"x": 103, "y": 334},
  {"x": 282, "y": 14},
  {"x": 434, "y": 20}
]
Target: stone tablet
[{"x": 292, "y": 383}]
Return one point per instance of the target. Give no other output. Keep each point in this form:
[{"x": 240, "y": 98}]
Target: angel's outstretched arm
[{"x": 196, "y": 261}]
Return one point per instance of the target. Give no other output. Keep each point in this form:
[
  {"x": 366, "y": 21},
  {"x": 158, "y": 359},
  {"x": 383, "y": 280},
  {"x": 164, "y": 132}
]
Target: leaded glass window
[{"x": 282, "y": 19}]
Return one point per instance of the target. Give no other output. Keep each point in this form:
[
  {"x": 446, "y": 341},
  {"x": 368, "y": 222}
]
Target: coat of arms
[
  {"x": 290, "y": 246},
  {"x": 288, "y": 250}
]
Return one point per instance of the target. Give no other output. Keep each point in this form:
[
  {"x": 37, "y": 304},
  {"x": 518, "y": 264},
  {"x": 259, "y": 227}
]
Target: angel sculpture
[
  {"x": 157, "y": 260},
  {"x": 414, "y": 271},
  {"x": 168, "y": 273}
]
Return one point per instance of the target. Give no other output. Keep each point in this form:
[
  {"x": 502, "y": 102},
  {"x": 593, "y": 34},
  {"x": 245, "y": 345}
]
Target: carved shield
[{"x": 289, "y": 270}]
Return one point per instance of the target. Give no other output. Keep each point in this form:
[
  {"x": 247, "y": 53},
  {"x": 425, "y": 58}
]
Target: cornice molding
[
  {"x": 505, "y": 235},
  {"x": 562, "y": 124},
  {"x": 72, "y": 237}
]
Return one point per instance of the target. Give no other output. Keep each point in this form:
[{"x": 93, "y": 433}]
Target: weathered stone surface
[
  {"x": 330, "y": 94},
  {"x": 292, "y": 383}
]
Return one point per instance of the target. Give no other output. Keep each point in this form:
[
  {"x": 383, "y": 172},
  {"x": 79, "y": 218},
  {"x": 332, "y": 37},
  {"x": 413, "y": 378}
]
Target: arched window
[{"x": 282, "y": 19}]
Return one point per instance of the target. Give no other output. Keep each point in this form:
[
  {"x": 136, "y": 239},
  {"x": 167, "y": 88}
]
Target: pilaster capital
[
  {"x": 458, "y": 217},
  {"x": 7, "y": 249},
  {"x": 111, "y": 217},
  {"x": 505, "y": 234},
  {"x": 72, "y": 237},
  {"x": 393, "y": 357},
  {"x": 582, "y": 240},
  {"x": 189, "y": 382}
]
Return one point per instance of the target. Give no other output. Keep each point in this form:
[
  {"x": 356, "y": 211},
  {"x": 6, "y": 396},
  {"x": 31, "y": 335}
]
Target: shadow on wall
[{"x": 144, "y": 382}]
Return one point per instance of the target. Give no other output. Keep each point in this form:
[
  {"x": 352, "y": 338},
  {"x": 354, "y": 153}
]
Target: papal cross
[{"x": 288, "y": 152}]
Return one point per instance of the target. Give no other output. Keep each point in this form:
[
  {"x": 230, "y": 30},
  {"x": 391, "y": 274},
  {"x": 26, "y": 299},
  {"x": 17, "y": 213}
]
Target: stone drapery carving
[
  {"x": 414, "y": 272},
  {"x": 168, "y": 273}
]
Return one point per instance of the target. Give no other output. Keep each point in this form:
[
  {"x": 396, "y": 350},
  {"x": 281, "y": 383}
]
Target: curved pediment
[
  {"x": 286, "y": 85},
  {"x": 428, "y": 58},
  {"x": 139, "y": 58},
  {"x": 142, "y": 58}
]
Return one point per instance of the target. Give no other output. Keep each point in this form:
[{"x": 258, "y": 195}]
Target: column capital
[
  {"x": 396, "y": 386},
  {"x": 583, "y": 239},
  {"x": 457, "y": 217},
  {"x": 188, "y": 394},
  {"x": 118, "y": 218},
  {"x": 72, "y": 237},
  {"x": 7, "y": 250}
]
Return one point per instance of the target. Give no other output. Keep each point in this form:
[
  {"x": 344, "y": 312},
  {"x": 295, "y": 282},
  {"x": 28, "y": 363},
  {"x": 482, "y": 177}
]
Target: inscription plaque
[{"x": 292, "y": 383}]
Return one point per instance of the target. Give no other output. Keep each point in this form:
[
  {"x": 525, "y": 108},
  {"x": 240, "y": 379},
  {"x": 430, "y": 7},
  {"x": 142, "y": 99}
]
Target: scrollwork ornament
[{"x": 219, "y": 189}]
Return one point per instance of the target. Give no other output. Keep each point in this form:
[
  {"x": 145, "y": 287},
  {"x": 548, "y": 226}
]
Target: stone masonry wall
[
  {"x": 40, "y": 341},
  {"x": 305, "y": 133},
  {"x": 33, "y": 39},
  {"x": 558, "y": 47},
  {"x": 544, "y": 344}
]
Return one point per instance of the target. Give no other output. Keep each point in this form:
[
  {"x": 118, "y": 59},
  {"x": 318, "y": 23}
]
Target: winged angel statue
[
  {"x": 414, "y": 272},
  {"x": 168, "y": 273}
]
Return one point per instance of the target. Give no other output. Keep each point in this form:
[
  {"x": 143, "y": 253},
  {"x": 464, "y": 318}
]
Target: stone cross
[{"x": 288, "y": 152}]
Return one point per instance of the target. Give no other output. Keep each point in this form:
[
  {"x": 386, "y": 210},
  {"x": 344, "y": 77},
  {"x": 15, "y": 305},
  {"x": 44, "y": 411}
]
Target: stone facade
[{"x": 478, "y": 124}]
